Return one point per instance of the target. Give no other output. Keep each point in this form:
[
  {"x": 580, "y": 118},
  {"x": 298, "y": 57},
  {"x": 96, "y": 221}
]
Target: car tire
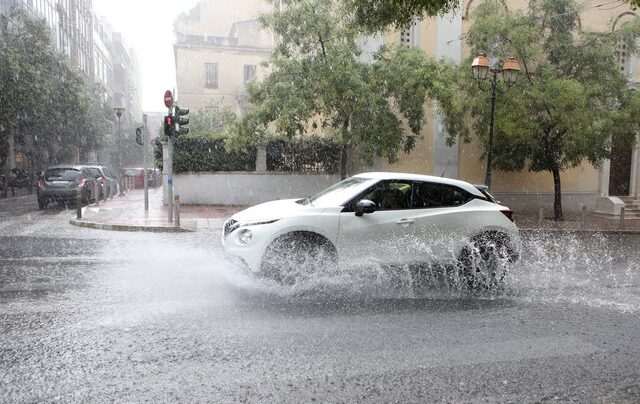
[
  {"x": 86, "y": 197},
  {"x": 297, "y": 255},
  {"x": 42, "y": 203},
  {"x": 483, "y": 263}
]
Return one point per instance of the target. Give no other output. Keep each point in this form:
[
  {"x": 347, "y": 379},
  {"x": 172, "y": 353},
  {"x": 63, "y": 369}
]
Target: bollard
[
  {"x": 540, "y": 215},
  {"x": 176, "y": 205},
  {"x": 96, "y": 192},
  {"x": 622, "y": 218},
  {"x": 79, "y": 204},
  {"x": 584, "y": 217}
]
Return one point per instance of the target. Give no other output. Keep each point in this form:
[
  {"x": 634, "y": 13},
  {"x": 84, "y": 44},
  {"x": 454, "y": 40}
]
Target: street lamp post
[
  {"x": 481, "y": 69},
  {"x": 119, "y": 111}
]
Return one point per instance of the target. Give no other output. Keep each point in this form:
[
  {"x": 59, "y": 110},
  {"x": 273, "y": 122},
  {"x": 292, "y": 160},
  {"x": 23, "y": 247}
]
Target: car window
[
  {"x": 61, "y": 174},
  {"x": 95, "y": 172},
  {"x": 131, "y": 172},
  {"x": 339, "y": 193},
  {"x": 434, "y": 195},
  {"x": 390, "y": 195}
]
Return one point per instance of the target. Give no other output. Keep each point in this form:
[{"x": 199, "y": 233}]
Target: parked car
[
  {"x": 154, "y": 177},
  {"x": 137, "y": 174},
  {"x": 61, "y": 183},
  {"x": 377, "y": 218},
  {"x": 108, "y": 181}
]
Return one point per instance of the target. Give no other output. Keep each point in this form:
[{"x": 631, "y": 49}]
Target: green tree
[
  {"x": 571, "y": 96},
  {"x": 376, "y": 15},
  {"x": 212, "y": 121},
  {"x": 318, "y": 85},
  {"x": 47, "y": 105}
]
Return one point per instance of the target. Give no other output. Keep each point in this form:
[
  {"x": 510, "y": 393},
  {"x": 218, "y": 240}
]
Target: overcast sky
[{"x": 147, "y": 26}]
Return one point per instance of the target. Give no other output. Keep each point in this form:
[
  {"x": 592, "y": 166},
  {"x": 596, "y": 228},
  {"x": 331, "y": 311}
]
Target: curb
[{"x": 125, "y": 227}]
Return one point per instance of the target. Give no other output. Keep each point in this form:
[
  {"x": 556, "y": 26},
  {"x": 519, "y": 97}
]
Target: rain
[{"x": 334, "y": 212}]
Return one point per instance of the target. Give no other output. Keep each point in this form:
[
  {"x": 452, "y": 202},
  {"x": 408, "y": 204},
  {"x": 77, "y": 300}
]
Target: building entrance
[{"x": 620, "y": 171}]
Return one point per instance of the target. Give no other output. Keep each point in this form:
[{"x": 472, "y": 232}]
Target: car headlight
[
  {"x": 257, "y": 222},
  {"x": 244, "y": 236}
]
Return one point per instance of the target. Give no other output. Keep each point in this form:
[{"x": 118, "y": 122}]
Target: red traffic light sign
[{"x": 168, "y": 99}]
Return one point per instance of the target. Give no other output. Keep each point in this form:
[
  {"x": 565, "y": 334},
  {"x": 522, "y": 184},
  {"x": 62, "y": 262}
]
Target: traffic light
[
  {"x": 139, "y": 135},
  {"x": 180, "y": 120},
  {"x": 169, "y": 124}
]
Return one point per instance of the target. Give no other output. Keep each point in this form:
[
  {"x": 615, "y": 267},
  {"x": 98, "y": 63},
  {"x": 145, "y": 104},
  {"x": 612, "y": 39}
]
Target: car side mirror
[{"x": 365, "y": 206}]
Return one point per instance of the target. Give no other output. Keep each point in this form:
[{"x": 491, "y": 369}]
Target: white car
[{"x": 377, "y": 218}]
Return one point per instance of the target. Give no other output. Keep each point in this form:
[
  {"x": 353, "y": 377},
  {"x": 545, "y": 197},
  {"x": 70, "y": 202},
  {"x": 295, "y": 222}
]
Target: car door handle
[{"x": 405, "y": 222}]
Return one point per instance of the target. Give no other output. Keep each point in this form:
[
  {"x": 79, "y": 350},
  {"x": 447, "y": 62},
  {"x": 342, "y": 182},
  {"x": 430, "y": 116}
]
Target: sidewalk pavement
[{"x": 126, "y": 213}]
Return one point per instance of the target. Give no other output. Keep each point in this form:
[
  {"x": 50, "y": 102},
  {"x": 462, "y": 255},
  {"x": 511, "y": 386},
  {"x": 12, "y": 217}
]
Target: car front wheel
[{"x": 297, "y": 255}]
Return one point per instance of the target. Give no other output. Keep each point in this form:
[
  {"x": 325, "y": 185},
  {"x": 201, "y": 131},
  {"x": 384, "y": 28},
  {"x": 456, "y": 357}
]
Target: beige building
[
  {"x": 219, "y": 43},
  {"x": 219, "y": 48},
  {"x": 597, "y": 188}
]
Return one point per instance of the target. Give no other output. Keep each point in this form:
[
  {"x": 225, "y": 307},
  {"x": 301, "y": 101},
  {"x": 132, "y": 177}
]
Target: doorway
[{"x": 620, "y": 171}]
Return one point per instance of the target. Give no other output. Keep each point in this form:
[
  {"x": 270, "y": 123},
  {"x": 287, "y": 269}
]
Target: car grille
[{"x": 229, "y": 226}]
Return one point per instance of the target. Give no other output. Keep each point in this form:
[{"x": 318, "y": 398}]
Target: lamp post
[
  {"x": 119, "y": 111},
  {"x": 481, "y": 69}
]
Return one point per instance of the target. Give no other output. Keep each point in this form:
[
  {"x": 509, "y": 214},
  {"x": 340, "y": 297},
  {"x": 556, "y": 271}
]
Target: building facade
[{"x": 219, "y": 48}]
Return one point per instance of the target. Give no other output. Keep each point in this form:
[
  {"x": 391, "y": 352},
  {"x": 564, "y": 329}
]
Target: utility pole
[
  {"x": 169, "y": 128},
  {"x": 145, "y": 141}
]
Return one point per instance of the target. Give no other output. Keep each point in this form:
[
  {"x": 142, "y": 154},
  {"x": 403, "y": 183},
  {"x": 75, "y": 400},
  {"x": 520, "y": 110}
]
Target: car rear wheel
[
  {"x": 297, "y": 255},
  {"x": 484, "y": 262}
]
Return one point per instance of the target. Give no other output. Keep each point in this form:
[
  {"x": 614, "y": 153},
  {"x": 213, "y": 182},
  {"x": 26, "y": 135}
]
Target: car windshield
[
  {"x": 339, "y": 193},
  {"x": 132, "y": 172},
  {"x": 61, "y": 174}
]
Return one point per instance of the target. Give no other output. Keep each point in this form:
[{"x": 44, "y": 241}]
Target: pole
[
  {"x": 145, "y": 140},
  {"x": 177, "y": 207},
  {"x": 120, "y": 185},
  {"x": 170, "y": 173},
  {"x": 494, "y": 82}
]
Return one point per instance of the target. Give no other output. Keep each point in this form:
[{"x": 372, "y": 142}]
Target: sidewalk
[{"x": 126, "y": 213}]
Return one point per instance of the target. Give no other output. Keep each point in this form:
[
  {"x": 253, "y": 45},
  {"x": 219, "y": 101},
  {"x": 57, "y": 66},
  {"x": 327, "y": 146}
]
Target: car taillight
[
  {"x": 508, "y": 213},
  {"x": 81, "y": 182}
]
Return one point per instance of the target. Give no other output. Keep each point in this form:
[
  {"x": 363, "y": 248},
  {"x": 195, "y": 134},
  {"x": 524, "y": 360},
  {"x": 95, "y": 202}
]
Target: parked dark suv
[
  {"x": 61, "y": 183},
  {"x": 108, "y": 181}
]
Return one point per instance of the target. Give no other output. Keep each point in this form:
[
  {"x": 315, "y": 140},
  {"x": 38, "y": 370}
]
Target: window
[
  {"x": 432, "y": 195},
  {"x": 390, "y": 195},
  {"x": 249, "y": 72},
  {"x": 211, "y": 75}
]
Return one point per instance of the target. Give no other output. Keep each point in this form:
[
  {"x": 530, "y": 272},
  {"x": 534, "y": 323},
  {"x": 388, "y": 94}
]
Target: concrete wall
[
  {"x": 529, "y": 203},
  {"x": 247, "y": 188}
]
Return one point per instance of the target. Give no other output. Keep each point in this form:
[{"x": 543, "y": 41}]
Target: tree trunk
[
  {"x": 343, "y": 161},
  {"x": 557, "y": 197}
]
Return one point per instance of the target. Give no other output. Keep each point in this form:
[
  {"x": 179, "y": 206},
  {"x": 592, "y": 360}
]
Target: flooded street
[{"x": 88, "y": 314}]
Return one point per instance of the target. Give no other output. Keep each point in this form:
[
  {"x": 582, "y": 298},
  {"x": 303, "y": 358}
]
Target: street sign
[{"x": 168, "y": 99}]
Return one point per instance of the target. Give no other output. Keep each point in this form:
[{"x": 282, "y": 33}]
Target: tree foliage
[
  {"x": 376, "y": 15},
  {"x": 571, "y": 96},
  {"x": 318, "y": 85},
  {"x": 47, "y": 105},
  {"x": 211, "y": 121}
]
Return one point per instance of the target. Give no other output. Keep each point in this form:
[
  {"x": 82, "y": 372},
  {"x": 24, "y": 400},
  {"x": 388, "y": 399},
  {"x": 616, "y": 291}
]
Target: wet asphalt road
[{"x": 90, "y": 315}]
